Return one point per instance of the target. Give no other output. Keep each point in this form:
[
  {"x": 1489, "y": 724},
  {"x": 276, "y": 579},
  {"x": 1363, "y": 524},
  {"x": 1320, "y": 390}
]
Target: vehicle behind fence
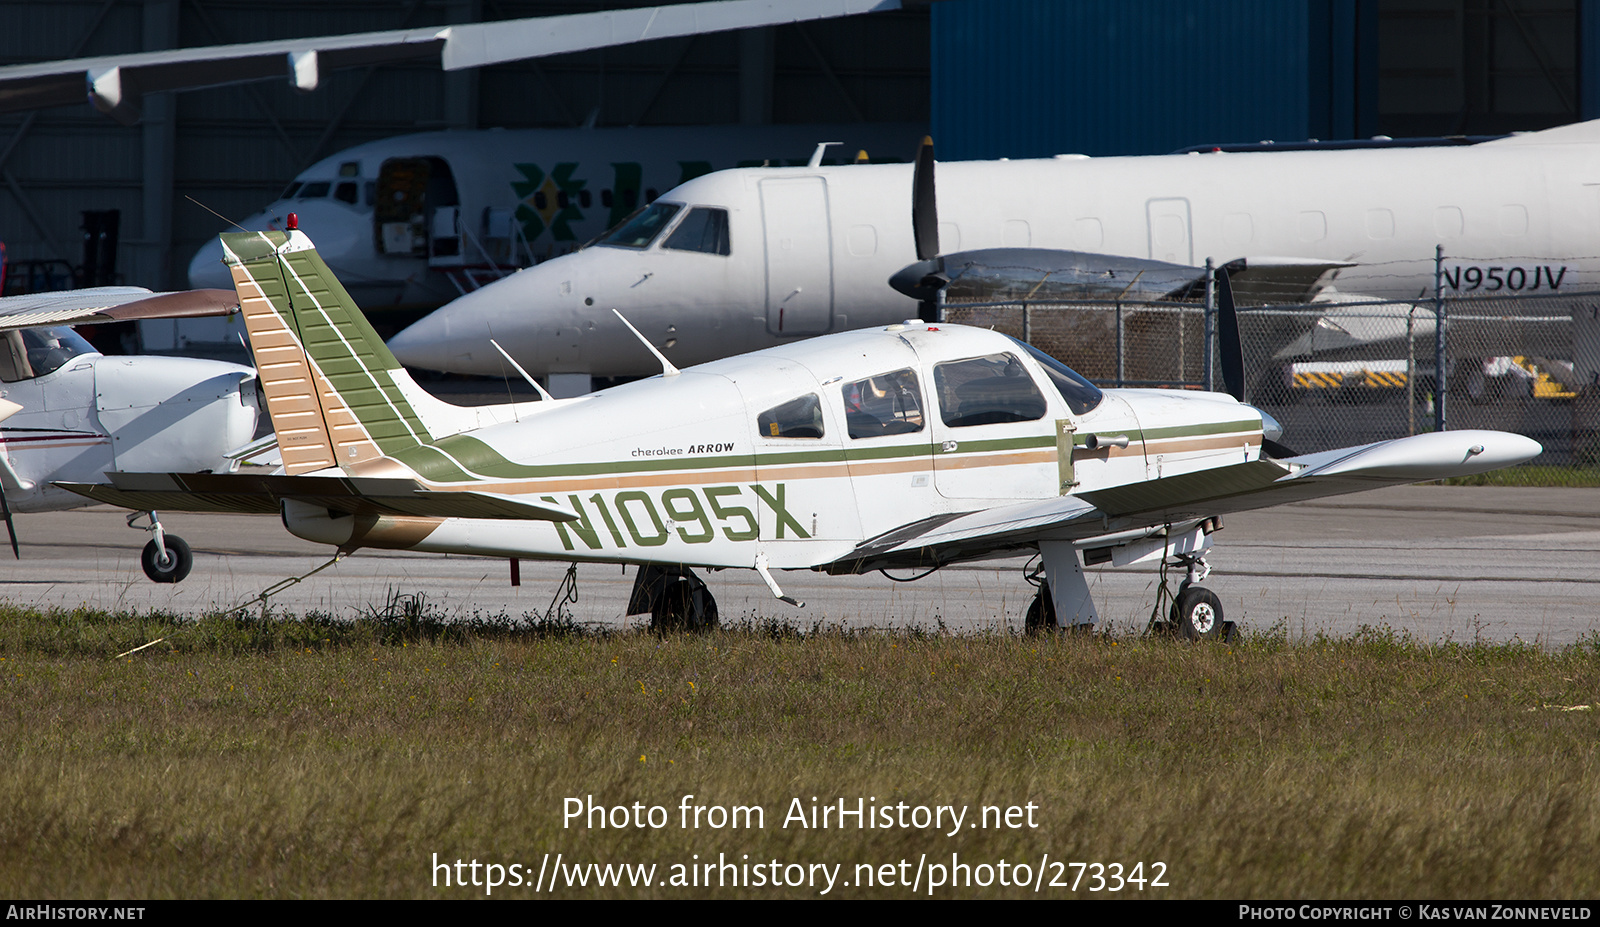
[{"x": 1340, "y": 373}]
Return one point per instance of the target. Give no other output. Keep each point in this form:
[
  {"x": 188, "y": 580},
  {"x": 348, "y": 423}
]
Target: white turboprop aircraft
[
  {"x": 414, "y": 221},
  {"x": 745, "y": 259},
  {"x": 912, "y": 445},
  {"x": 68, "y": 412}
]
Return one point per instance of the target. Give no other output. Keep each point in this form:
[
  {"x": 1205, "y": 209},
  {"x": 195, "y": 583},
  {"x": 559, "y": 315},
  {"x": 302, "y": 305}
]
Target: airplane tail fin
[{"x": 336, "y": 395}]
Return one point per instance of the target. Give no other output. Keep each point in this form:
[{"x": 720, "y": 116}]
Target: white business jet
[
  {"x": 67, "y": 412},
  {"x": 745, "y": 259},
  {"x": 911, "y": 445}
]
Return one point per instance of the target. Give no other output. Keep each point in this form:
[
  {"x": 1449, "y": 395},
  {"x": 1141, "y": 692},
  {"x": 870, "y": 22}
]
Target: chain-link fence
[{"x": 1337, "y": 374}]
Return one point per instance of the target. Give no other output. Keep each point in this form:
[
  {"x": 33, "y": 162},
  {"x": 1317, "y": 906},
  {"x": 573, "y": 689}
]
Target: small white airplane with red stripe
[
  {"x": 911, "y": 445},
  {"x": 67, "y": 412}
]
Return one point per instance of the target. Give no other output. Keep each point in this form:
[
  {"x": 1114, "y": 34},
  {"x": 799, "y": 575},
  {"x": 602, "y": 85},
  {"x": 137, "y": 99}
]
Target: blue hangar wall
[{"x": 1033, "y": 78}]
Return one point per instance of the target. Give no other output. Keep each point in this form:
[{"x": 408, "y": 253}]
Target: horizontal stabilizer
[{"x": 244, "y": 493}]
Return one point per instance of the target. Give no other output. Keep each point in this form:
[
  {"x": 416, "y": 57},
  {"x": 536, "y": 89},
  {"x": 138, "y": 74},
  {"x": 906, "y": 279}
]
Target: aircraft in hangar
[
  {"x": 745, "y": 259},
  {"x": 906, "y": 446},
  {"x": 414, "y": 221},
  {"x": 68, "y": 412}
]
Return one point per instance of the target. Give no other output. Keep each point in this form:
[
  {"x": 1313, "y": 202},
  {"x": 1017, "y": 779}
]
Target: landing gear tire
[
  {"x": 1041, "y": 615},
  {"x": 1197, "y": 614},
  {"x": 169, "y": 569},
  {"x": 684, "y": 605}
]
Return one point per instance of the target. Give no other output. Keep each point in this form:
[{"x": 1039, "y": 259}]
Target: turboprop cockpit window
[
  {"x": 1081, "y": 395},
  {"x": 797, "y": 418},
  {"x": 315, "y": 190},
  {"x": 46, "y": 349},
  {"x": 986, "y": 391},
  {"x": 704, "y": 229},
  {"x": 640, "y": 229},
  {"x": 887, "y": 404}
]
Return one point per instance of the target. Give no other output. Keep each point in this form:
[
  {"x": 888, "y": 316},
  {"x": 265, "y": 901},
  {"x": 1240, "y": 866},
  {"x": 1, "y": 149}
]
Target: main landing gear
[
  {"x": 167, "y": 558},
  {"x": 676, "y": 599},
  {"x": 1195, "y": 613}
]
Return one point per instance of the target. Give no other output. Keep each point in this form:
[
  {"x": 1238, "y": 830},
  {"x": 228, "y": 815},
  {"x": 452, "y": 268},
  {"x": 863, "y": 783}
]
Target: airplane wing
[
  {"x": 1121, "y": 512},
  {"x": 1280, "y": 281},
  {"x": 253, "y": 494},
  {"x": 111, "y": 304},
  {"x": 114, "y": 83}
]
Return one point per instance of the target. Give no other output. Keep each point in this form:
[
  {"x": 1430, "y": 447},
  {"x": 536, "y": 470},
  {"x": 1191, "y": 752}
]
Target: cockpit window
[
  {"x": 640, "y": 229},
  {"x": 347, "y": 192},
  {"x": 986, "y": 391},
  {"x": 290, "y": 191},
  {"x": 797, "y": 418},
  {"x": 704, "y": 229},
  {"x": 34, "y": 352},
  {"x": 314, "y": 190},
  {"x": 1081, "y": 395},
  {"x": 887, "y": 404}
]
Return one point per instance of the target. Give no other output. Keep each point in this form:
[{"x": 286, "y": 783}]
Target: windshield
[
  {"x": 34, "y": 352},
  {"x": 638, "y": 230},
  {"x": 1080, "y": 394}
]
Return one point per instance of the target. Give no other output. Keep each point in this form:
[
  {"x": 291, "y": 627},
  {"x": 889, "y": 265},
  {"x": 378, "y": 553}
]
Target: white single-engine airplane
[
  {"x": 911, "y": 445},
  {"x": 745, "y": 259},
  {"x": 67, "y": 412}
]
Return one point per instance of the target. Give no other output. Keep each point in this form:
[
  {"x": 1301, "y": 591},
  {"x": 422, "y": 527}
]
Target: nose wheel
[{"x": 167, "y": 558}]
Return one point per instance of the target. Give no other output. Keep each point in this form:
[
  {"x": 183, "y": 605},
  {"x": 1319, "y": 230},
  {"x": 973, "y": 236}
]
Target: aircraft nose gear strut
[{"x": 167, "y": 558}]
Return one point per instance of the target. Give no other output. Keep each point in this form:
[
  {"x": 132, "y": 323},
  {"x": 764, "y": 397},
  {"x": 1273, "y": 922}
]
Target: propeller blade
[
  {"x": 5, "y": 509},
  {"x": 1232, "y": 354},
  {"x": 924, "y": 205}
]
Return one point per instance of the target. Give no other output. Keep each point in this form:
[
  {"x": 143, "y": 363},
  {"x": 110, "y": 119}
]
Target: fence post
[
  {"x": 1027, "y": 324},
  {"x": 1210, "y": 323},
  {"x": 1440, "y": 380},
  {"x": 1120, "y": 369},
  {"x": 1411, "y": 371}
]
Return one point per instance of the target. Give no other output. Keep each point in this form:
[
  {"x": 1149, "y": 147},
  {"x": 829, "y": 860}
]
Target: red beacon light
[{"x": 292, "y": 223}]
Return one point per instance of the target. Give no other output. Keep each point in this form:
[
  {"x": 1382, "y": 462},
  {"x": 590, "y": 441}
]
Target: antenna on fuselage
[
  {"x": 531, "y": 381},
  {"x": 667, "y": 370},
  {"x": 816, "y": 156}
]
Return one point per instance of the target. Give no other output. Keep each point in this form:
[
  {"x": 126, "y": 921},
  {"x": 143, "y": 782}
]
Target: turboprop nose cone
[
  {"x": 426, "y": 342},
  {"x": 206, "y": 270}
]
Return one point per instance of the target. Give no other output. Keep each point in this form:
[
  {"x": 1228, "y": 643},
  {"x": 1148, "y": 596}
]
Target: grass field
[{"x": 306, "y": 758}]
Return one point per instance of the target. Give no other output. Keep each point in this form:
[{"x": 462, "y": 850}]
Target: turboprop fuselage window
[
  {"x": 986, "y": 391},
  {"x": 1081, "y": 395},
  {"x": 640, "y": 229},
  {"x": 703, "y": 229},
  {"x": 887, "y": 404},
  {"x": 797, "y": 418}
]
